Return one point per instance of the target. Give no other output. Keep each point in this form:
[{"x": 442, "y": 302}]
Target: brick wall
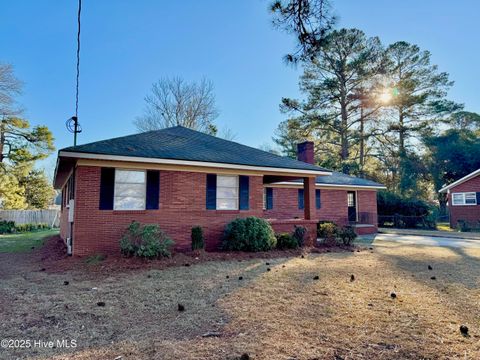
[
  {"x": 285, "y": 205},
  {"x": 334, "y": 206},
  {"x": 182, "y": 205},
  {"x": 288, "y": 226},
  {"x": 367, "y": 204},
  {"x": 469, "y": 213}
]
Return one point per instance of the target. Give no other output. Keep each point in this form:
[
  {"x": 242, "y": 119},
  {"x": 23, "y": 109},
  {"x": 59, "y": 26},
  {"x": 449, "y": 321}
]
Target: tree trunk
[
  {"x": 2, "y": 139},
  {"x": 344, "y": 128},
  {"x": 362, "y": 142}
]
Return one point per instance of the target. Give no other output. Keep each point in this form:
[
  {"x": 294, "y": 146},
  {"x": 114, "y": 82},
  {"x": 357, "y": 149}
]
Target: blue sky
[{"x": 127, "y": 45}]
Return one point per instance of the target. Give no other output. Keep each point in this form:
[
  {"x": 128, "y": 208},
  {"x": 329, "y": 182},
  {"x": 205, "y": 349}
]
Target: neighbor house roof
[
  {"x": 180, "y": 145},
  {"x": 459, "y": 181},
  {"x": 338, "y": 179}
]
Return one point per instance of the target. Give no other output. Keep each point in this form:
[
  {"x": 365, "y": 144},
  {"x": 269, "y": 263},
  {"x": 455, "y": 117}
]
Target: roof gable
[{"x": 460, "y": 181}]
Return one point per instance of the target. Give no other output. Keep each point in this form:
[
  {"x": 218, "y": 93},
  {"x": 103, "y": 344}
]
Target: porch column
[{"x": 309, "y": 198}]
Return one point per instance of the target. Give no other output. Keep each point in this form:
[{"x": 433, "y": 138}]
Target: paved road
[{"x": 428, "y": 240}]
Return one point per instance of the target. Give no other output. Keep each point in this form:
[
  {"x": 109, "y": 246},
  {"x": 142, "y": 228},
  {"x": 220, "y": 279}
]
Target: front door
[{"x": 352, "y": 206}]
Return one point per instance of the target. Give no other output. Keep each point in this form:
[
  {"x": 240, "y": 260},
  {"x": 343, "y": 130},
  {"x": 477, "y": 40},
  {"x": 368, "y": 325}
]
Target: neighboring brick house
[
  {"x": 463, "y": 200},
  {"x": 179, "y": 178}
]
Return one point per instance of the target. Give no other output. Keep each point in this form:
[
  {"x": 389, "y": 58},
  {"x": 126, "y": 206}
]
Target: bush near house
[
  {"x": 466, "y": 226},
  {"x": 327, "y": 230},
  {"x": 249, "y": 234},
  {"x": 198, "y": 242},
  {"x": 286, "y": 241},
  {"x": 299, "y": 235},
  {"x": 332, "y": 234},
  {"x": 346, "y": 235},
  {"x": 147, "y": 241}
]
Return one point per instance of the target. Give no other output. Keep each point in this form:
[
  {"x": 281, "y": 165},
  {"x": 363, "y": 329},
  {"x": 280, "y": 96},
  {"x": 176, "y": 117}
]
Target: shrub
[
  {"x": 21, "y": 228},
  {"x": 198, "y": 242},
  {"x": 404, "y": 212},
  {"x": 147, "y": 241},
  {"x": 346, "y": 235},
  {"x": 249, "y": 234},
  {"x": 286, "y": 241},
  {"x": 327, "y": 230},
  {"x": 463, "y": 226},
  {"x": 7, "y": 227},
  {"x": 299, "y": 235}
]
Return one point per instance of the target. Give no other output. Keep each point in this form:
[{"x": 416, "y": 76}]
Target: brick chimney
[{"x": 305, "y": 152}]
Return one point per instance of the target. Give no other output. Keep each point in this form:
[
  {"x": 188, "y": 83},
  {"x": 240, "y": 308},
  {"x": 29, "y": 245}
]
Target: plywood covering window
[
  {"x": 227, "y": 192},
  {"x": 130, "y": 190},
  {"x": 467, "y": 198}
]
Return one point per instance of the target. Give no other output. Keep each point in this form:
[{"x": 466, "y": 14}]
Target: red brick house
[
  {"x": 179, "y": 178},
  {"x": 463, "y": 200}
]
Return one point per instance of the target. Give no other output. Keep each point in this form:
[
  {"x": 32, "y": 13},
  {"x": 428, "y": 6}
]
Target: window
[
  {"x": 351, "y": 199},
  {"x": 227, "y": 192},
  {"x": 129, "y": 190},
  {"x": 469, "y": 198}
]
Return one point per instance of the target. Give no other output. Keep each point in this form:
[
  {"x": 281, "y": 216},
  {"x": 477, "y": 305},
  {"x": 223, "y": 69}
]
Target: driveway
[{"x": 427, "y": 240}]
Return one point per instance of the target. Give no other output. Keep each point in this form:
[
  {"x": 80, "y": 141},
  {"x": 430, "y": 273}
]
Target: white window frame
[
  {"x": 264, "y": 198},
  {"x": 237, "y": 191},
  {"x": 144, "y": 190},
  {"x": 464, "y": 198}
]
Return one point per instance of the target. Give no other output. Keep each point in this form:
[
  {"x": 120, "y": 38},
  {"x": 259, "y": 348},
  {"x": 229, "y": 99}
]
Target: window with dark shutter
[
  {"x": 478, "y": 198},
  {"x": 153, "y": 189},
  {"x": 211, "y": 191},
  {"x": 318, "y": 202},
  {"x": 300, "y": 199},
  {"x": 243, "y": 193},
  {"x": 107, "y": 183},
  {"x": 269, "y": 198}
]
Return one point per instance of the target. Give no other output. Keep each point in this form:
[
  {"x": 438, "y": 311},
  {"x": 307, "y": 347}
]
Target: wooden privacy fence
[{"x": 50, "y": 217}]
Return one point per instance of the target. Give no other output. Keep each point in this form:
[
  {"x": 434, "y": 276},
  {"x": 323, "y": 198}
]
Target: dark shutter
[
  {"x": 107, "y": 184},
  {"x": 211, "y": 191},
  {"x": 318, "y": 202},
  {"x": 153, "y": 189},
  {"x": 300, "y": 199},
  {"x": 243, "y": 191},
  {"x": 269, "y": 198},
  {"x": 478, "y": 198}
]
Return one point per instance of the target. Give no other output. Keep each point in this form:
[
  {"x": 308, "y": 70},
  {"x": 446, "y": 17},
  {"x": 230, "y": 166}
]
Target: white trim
[
  {"x": 236, "y": 197},
  {"x": 464, "y": 198},
  {"x": 356, "y": 204},
  {"x": 321, "y": 185},
  {"x": 459, "y": 181},
  {"x": 144, "y": 189},
  {"x": 189, "y": 163}
]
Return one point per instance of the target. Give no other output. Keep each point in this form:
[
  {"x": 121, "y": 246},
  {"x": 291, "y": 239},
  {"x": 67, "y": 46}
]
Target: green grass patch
[{"x": 15, "y": 243}]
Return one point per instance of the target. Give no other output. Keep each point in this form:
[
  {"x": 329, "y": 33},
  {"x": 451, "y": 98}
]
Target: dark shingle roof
[
  {"x": 338, "y": 178},
  {"x": 180, "y": 143}
]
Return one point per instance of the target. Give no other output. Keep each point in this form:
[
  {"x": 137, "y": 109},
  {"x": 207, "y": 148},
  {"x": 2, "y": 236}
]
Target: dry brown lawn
[{"x": 279, "y": 314}]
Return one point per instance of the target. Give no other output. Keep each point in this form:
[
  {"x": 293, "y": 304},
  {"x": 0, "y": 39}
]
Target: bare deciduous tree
[
  {"x": 10, "y": 86},
  {"x": 175, "y": 102}
]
